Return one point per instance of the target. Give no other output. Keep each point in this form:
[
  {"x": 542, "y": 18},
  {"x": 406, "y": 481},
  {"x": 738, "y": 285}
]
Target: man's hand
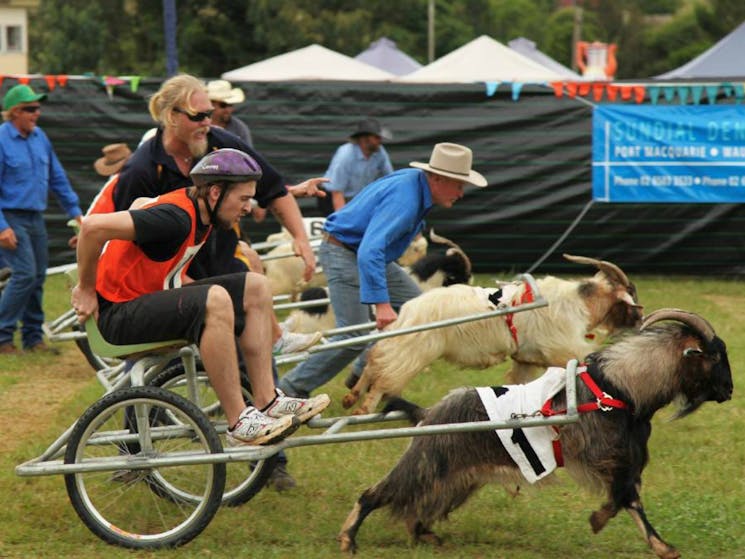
[
  {"x": 309, "y": 188},
  {"x": 303, "y": 249},
  {"x": 8, "y": 239},
  {"x": 85, "y": 303},
  {"x": 384, "y": 315}
]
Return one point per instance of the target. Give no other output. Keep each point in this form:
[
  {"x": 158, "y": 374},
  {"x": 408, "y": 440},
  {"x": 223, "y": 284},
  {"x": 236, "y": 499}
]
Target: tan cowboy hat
[
  {"x": 454, "y": 161},
  {"x": 221, "y": 90},
  {"x": 114, "y": 158}
]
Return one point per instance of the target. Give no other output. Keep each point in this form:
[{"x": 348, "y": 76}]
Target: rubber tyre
[
  {"x": 120, "y": 506},
  {"x": 244, "y": 479}
]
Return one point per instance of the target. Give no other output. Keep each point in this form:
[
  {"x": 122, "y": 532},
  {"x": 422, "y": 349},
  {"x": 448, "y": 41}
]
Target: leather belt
[{"x": 334, "y": 241}]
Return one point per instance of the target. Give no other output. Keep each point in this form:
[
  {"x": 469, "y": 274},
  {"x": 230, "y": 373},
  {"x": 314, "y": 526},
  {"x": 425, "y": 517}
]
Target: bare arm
[
  {"x": 95, "y": 231},
  {"x": 287, "y": 212},
  {"x": 337, "y": 199}
]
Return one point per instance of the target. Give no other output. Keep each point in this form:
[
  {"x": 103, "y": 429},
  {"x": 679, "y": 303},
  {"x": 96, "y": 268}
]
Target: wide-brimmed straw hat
[
  {"x": 221, "y": 90},
  {"x": 114, "y": 157},
  {"x": 454, "y": 161},
  {"x": 371, "y": 126}
]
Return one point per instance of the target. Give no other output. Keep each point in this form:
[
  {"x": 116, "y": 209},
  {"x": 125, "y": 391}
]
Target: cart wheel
[
  {"x": 244, "y": 478},
  {"x": 120, "y": 506}
]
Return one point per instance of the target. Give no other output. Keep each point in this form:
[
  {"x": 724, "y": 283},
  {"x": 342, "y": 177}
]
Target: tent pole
[{"x": 431, "y": 31}]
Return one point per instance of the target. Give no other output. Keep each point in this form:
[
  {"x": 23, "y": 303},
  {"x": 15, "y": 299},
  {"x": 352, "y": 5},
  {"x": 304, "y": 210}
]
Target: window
[{"x": 13, "y": 38}]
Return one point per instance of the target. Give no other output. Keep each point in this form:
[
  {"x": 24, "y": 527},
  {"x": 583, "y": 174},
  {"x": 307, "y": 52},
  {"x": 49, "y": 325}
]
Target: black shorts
[{"x": 173, "y": 314}]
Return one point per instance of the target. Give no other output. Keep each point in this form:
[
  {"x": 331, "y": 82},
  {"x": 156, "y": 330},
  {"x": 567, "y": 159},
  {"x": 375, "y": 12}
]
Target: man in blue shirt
[
  {"x": 357, "y": 163},
  {"x": 361, "y": 244},
  {"x": 28, "y": 169}
]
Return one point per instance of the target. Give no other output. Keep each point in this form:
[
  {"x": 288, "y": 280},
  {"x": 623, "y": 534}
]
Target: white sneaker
[
  {"x": 301, "y": 408},
  {"x": 294, "y": 342},
  {"x": 255, "y": 427}
]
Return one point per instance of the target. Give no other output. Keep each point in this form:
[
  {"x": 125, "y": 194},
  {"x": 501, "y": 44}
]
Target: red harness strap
[
  {"x": 603, "y": 402},
  {"x": 526, "y": 297}
]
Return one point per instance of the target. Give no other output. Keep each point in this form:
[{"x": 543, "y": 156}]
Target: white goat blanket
[{"x": 531, "y": 447}]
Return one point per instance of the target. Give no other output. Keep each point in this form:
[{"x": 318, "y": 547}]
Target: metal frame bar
[
  {"x": 538, "y": 302},
  {"x": 332, "y": 434},
  {"x": 149, "y": 365}
]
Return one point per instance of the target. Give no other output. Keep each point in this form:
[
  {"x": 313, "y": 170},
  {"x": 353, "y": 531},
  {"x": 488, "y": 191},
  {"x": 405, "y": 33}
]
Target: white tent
[
  {"x": 528, "y": 48},
  {"x": 313, "y": 62},
  {"x": 722, "y": 61},
  {"x": 384, "y": 54},
  {"x": 483, "y": 60}
]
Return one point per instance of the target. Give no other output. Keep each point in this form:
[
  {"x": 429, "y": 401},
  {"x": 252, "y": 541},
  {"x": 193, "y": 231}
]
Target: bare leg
[
  {"x": 255, "y": 341},
  {"x": 217, "y": 349}
]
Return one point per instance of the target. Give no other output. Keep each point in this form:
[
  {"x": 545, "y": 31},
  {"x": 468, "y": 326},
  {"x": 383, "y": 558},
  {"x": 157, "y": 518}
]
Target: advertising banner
[{"x": 675, "y": 154}]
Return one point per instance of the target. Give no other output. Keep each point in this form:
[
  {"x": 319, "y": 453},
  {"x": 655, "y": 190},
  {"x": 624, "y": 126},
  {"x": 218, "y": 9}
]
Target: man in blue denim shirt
[
  {"x": 357, "y": 163},
  {"x": 28, "y": 169},
  {"x": 361, "y": 244}
]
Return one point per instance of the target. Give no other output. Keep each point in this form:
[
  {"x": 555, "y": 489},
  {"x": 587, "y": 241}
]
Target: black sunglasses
[
  {"x": 197, "y": 117},
  {"x": 31, "y": 108}
]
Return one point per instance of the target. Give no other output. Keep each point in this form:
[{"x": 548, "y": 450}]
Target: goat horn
[
  {"x": 608, "y": 268},
  {"x": 697, "y": 322},
  {"x": 444, "y": 241}
]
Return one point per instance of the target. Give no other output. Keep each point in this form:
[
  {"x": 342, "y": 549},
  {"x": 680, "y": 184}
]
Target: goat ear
[{"x": 692, "y": 351}]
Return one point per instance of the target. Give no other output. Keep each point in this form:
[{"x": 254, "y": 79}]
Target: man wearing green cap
[{"x": 28, "y": 169}]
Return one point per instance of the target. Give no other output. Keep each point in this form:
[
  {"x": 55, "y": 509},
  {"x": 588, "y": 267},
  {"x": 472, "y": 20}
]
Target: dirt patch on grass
[{"x": 44, "y": 386}]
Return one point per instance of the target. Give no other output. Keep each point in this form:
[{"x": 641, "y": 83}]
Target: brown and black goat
[
  {"x": 580, "y": 314},
  {"x": 605, "y": 451}
]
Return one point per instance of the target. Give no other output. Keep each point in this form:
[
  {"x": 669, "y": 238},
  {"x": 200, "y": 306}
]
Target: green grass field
[{"x": 694, "y": 490}]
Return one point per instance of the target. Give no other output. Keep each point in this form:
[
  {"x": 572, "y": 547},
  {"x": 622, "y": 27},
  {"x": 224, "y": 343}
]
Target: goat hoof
[
  {"x": 429, "y": 538},
  {"x": 349, "y": 400},
  {"x": 347, "y": 544},
  {"x": 598, "y": 520}
]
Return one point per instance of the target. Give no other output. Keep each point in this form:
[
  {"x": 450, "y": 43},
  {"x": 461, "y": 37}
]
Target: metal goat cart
[{"x": 144, "y": 466}]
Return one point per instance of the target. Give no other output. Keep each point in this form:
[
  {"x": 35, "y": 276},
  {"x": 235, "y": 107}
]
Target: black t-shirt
[
  {"x": 161, "y": 230},
  {"x": 150, "y": 171}
]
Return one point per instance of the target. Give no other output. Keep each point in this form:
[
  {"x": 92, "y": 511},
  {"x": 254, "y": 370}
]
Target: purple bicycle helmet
[{"x": 225, "y": 165}]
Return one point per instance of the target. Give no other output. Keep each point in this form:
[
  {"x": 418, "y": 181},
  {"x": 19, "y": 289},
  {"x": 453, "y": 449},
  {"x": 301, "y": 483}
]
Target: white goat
[{"x": 579, "y": 315}]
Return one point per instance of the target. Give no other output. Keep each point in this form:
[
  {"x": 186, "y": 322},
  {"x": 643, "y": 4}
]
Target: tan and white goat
[{"x": 579, "y": 316}]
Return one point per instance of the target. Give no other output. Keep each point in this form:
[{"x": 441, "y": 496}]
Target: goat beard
[{"x": 687, "y": 407}]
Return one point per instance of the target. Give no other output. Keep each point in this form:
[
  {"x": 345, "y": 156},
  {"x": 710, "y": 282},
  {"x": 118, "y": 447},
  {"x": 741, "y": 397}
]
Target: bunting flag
[
  {"x": 639, "y": 92},
  {"x": 597, "y": 91},
  {"x": 51, "y": 82},
  {"x": 711, "y": 93},
  {"x": 517, "y": 87},
  {"x": 572, "y": 89},
  {"x": 491, "y": 88},
  {"x": 62, "y": 81},
  {"x": 669, "y": 94},
  {"x": 24, "y": 80},
  {"x": 683, "y": 92},
  {"x": 612, "y": 92},
  {"x": 739, "y": 92},
  {"x": 558, "y": 88},
  {"x": 696, "y": 92},
  {"x": 654, "y": 93}
]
